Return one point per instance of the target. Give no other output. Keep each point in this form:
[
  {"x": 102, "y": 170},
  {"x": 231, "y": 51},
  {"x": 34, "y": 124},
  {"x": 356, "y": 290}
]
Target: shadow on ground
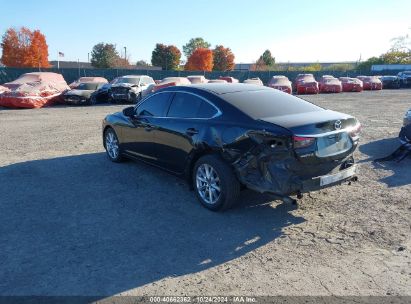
[
  {"x": 81, "y": 225},
  {"x": 380, "y": 148}
]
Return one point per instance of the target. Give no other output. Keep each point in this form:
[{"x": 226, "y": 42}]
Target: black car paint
[
  {"x": 391, "y": 82},
  {"x": 260, "y": 152},
  {"x": 80, "y": 96}
]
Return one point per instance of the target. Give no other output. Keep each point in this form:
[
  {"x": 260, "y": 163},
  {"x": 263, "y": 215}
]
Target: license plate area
[
  {"x": 333, "y": 144},
  {"x": 333, "y": 178}
]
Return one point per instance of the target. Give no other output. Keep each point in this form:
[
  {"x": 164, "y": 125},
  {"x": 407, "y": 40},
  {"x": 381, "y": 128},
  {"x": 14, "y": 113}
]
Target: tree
[
  {"x": 396, "y": 57},
  {"x": 24, "y": 48},
  {"x": 267, "y": 58},
  {"x": 105, "y": 55},
  {"x": 142, "y": 63},
  {"x": 366, "y": 65},
  {"x": 200, "y": 60},
  {"x": 166, "y": 56},
  {"x": 194, "y": 44},
  {"x": 38, "y": 51},
  {"x": 223, "y": 59}
]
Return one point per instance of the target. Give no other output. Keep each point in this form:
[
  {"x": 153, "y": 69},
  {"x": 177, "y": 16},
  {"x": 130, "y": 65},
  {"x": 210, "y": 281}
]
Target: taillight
[
  {"x": 302, "y": 142},
  {"x": 355, "y": 132}
]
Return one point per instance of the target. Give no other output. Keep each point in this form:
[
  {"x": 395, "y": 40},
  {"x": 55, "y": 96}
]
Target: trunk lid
[{"x": 328, "y": 131}]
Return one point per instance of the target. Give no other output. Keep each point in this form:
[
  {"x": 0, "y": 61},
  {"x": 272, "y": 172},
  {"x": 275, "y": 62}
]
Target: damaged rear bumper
[{"x": 325, "y": 181}]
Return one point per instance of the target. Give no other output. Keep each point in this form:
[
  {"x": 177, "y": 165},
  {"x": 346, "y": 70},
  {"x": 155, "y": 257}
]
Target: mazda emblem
[{"x": 337, "y": 125}]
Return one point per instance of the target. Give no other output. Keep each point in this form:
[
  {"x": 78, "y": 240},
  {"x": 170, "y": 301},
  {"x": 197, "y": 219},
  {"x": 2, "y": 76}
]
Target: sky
[{"x": 294, "y": 31}]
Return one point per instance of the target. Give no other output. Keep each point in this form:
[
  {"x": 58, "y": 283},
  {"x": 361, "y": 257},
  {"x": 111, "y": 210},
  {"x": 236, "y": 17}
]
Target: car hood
[
  {"x": 307, "y": 121},
  {"x": 83, "y": 93}
]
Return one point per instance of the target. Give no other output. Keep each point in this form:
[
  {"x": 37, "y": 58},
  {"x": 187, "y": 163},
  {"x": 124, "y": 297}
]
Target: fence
[{"x": 10, "y": 74}]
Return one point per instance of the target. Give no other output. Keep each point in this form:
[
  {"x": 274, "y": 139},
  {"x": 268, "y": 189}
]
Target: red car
[
  {"x": 229, "y": 79},
  {"x": 351, "y": 84},
  {"x": 171, "y": 81},
  {"x": 370, "y": 82},
  {"x": 329, "y": 84},
  {"x": 281, "y": 83},
  {"x": 306, "y": 84},
  {"x": 33, "y": 90}
]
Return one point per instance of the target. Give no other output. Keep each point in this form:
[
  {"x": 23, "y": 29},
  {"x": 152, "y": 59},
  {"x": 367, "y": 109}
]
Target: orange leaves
[
  {"x": 223, "y": 59},
  {"x": 24, "y": 48},
  {"x": 200, "y": 60}
]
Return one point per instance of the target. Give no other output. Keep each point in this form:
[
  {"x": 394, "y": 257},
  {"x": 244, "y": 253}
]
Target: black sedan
[
  {"x": 223, "y": 137},
  {"x": 390, "y": 82},
  {"x": 82, "y": 94}
]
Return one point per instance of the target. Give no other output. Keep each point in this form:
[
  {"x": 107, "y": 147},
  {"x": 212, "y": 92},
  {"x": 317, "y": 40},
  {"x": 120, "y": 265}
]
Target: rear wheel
[
  {"x": 93, "y": 100},
  {"x": 215, "y": 183},
  {"x": 112, "y": 145}
]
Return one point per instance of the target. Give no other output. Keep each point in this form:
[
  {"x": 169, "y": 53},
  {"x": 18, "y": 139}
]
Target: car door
[
  {"x": 140, "y": 136},
  {"x": 181, "y": 132}
]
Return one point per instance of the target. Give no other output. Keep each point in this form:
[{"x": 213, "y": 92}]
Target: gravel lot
[{"x": 73, "y": 223}]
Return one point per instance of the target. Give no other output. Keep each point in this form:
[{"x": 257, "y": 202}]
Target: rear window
[{"x": 269, "y": 103}]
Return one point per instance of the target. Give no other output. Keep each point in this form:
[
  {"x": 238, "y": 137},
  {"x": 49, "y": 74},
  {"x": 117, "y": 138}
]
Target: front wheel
[
  {"x": 215, "y": 183},
  {"x": 112, "y": 145}
]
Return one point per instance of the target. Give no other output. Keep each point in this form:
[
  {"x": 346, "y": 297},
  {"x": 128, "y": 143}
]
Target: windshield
[
  {"x": 87, "y": 86},
  {"x": 268, "y": 103},
  {"x": 279, "y": 80},
  {"x": 133, "y": 80}
]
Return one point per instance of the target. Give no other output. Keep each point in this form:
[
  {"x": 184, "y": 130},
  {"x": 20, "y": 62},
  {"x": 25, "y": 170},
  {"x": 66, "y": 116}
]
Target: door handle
[{"x": 191, "y": 131}]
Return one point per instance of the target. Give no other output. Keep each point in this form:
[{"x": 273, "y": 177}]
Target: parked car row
[{"x": 34, "y": 90}]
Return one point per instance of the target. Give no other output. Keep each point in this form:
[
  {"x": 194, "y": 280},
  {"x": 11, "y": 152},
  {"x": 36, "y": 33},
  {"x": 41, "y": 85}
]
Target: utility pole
[
  {"x": 78, "y": 62},
  {"x": 125, "y": 56},
  {"x": 88, "y": 57}
]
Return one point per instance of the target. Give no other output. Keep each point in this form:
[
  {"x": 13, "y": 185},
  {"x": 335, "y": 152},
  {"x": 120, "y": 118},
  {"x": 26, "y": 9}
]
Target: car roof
[{"x": 225, "y": 88}]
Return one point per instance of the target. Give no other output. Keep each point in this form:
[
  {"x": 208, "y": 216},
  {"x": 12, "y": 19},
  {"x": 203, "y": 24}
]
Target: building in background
[{"x": 390, "y": 67}]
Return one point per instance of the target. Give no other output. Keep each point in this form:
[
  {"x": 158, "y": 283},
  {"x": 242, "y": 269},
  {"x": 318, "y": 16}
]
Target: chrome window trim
[{"x": 219, "y": 112}]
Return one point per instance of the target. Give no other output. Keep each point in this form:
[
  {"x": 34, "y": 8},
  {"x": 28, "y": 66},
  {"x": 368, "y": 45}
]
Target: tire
[
  {"x": 220, "y": 176},
  {"x": 93, "y": 100},
  {"x": 110, "y": 140}
]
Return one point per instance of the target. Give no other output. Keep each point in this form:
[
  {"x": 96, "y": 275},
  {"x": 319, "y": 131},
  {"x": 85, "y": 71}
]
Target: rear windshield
[{"x": 268, "y": 103}]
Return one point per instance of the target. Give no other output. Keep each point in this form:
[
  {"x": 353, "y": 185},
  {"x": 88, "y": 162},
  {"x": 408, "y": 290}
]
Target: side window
[
  {"x": 206, "y": 110},
  {"x": 184, "y": 106},
  {"x": 190, "y": 106},
  {"x": 155, "y": 105}
]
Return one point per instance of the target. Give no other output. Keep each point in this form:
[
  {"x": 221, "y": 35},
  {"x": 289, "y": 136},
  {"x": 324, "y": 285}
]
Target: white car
[
  {"x": 131, "y": 88},
  {"x": 197, "y": 79}
]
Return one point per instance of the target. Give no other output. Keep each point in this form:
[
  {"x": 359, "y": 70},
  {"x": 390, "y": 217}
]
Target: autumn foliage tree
[
  {"x": 24, "y": 48},
  {"x": 200, "y": 60},
  {"x": 166, "y": 56},
  {"x": 223, "y": 59}
]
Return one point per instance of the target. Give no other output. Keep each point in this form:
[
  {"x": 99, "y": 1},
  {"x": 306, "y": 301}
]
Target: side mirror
[{"x": 129, "y": 112}]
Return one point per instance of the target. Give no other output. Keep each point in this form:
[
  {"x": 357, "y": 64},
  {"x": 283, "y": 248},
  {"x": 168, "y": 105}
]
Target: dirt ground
[{"x": 73, "y": 223}]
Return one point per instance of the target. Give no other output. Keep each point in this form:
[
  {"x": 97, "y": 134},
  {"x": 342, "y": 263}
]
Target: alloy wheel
[
  {"x": 208, "y": 184},
  {"x": 112, "y": 146}
]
